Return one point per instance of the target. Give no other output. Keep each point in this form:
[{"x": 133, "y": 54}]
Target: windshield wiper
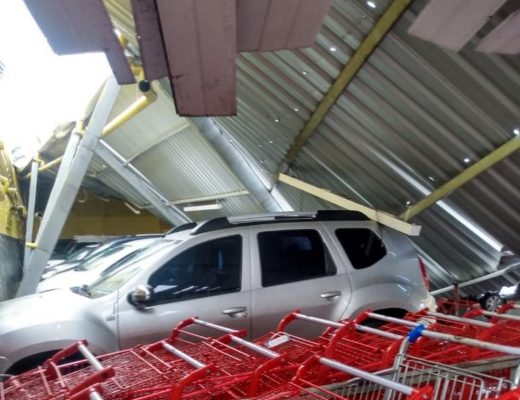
[{"x": 82, "y": 290}]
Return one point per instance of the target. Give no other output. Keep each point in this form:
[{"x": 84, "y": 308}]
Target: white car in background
[{"x": 87, "y": 272}]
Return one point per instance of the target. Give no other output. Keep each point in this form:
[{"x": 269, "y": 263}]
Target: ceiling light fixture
[
  {"x": 277, "y": 120},
  {"x": 371, "y": 4},
  {"x": 305, "y": 73},
  {"x": 333, "y": 49},
  {"x": 516, "y": 131},
  {"x": 203, "y": 207},
  {"x": 467, "y": 160}
]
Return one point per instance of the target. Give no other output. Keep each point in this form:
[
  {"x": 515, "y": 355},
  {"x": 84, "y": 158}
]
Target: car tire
[{"x": 491, "y": 302}]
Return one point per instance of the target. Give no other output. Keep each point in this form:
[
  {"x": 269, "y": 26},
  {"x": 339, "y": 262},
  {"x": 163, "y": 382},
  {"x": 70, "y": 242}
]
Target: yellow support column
[{"x": 465, "y": 176}]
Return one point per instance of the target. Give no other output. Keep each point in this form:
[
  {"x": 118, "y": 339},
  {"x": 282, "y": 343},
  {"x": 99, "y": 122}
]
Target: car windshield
[
  {"x": 107, "y": 258},
  {"x": 80, "y": 254},
  {"x": 113, "y": 280}
]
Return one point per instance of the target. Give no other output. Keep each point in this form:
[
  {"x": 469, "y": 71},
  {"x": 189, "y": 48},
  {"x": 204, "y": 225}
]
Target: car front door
[
  {"x": 295, "y": 269},
  {"x": 206, "y": 280}
]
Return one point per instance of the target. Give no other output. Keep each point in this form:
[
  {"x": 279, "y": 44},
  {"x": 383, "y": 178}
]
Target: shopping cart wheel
[{"x": 491, "y": 302}]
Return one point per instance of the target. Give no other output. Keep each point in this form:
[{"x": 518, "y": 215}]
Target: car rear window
[
  {"x": 295, "y": 255},
  {"x": 362, "y": 246}
]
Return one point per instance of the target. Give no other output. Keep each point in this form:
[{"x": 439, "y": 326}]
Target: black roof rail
[
  {"x": 180, "y": 228},
  {"x": 340, "y": 215},
  {"x": 320, "y": 215}
]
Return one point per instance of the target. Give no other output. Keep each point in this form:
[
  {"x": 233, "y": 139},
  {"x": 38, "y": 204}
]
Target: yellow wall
[
  {"x": 98, "y": 217},
  {"x": 12, "y": 211}
]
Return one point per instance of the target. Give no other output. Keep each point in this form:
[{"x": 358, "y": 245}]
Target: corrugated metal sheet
[
  {"x": 402, "y": 128},
  {"x": 155, "y": 123},
  {"x": 185, "y": 166}
]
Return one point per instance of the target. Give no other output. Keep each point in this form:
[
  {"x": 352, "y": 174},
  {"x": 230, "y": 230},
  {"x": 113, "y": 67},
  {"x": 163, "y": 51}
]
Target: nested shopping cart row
[{"x": 414, "y": 357}]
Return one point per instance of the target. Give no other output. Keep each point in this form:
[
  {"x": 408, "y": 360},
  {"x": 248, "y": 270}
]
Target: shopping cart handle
[
  {"x": 296, "y": 315},
  {"x": 452, "y": 338},
  {"x": 416, "y": 333},
  {"x": 215, "y": 326},
  {"x": 51, "y": 365},
  {"x": 95, "y": 396},
  {"x": 182, "y": 355},
  {"x": 195, "y": 320},
  {"x": 68, "y": 351},
  {"x": 252, "y": 346},
  {"x": 92, "y": 360}
]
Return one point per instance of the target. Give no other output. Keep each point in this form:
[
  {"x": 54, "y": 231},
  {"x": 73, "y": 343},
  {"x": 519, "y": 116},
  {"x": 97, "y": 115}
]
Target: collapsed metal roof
[{"x": 414, "y": 117}]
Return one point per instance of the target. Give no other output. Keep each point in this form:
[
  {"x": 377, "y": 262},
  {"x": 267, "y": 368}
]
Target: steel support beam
[
  {"x": 70, "y": 175},
  {"x": 369, "y": 44},
  {"x": 373, "y": 214},
  {"x": 238, "y": 163},
  {"x": 465, "y": 176},
  {"x": 480, "y": 279},
  {"x": 142, "y": 185},
  {"x": 30, "y": 213}
]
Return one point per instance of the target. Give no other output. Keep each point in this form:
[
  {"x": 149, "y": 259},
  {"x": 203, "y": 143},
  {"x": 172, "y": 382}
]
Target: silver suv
[{"x": 240, "y": 272}]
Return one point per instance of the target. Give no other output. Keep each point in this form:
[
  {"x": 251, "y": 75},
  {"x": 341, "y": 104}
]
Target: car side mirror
[{"x": 140, "y": 296}]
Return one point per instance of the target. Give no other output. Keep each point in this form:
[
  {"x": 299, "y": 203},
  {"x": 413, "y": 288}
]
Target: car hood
[
  {"x": 48, "y": 307},
  {"x": 67, "y": 279}
]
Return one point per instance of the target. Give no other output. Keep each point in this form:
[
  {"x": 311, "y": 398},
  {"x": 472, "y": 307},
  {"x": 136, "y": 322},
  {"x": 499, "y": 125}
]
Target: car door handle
[
  {"x": 331, "y": 295},
  {"x": 235, "y": 312}
]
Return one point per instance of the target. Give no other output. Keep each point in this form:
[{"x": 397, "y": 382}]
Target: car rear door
[
  {"x": 209, "y": 279},
  {"x": 293, "y": 268}
]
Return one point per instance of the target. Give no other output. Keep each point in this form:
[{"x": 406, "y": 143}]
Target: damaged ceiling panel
[
  {"x": 452, "y": 23},
  {"x": 200, "y": 42},
  {"x": 153, "y": 54}
]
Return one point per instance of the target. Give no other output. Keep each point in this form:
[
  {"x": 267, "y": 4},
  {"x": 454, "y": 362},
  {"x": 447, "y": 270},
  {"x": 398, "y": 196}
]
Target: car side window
[
  {"x": 295, "y": 255},
  {"x": 207, "y": 269},
  {"x": 363, "y": 247}
]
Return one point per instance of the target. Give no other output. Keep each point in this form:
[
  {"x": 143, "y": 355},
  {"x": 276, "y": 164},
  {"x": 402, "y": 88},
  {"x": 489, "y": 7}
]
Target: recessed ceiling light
[
  {"x": 203, "y": 207},
  {"x": 467, "y": 160},
  {"x": 516, "y": 131},
  {"x": 277, "y": 120},
  {"x": 305, "y": 73},
  {"x": 332, "y": 48},
  {"x": 296, "y": 109},
  {"x": 408, "y": 202},
  {"x": 371, "y": 4}
]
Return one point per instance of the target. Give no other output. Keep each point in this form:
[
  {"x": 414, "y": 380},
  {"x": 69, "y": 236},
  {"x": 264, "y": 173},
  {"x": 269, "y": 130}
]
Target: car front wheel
[{"x": 491, "y": 302}]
